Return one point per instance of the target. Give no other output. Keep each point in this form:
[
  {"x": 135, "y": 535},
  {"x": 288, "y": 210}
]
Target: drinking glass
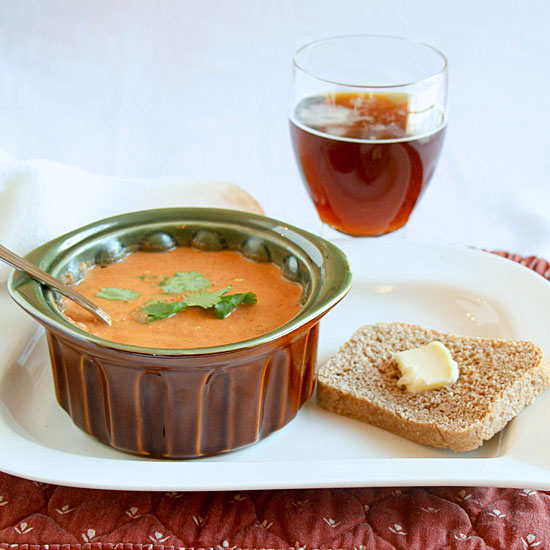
[{"x": 367, "y": 120}]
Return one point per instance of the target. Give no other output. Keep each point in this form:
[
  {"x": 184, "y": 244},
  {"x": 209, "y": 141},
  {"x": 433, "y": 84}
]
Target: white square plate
[{"x": 460, "y": 290}]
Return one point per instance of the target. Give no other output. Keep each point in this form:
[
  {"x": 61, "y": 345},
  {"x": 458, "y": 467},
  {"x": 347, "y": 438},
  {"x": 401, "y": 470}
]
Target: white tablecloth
[{"x": 199, "y": 90}]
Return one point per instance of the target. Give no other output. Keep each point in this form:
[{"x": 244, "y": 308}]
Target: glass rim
[{"x": 318, "y": 41}]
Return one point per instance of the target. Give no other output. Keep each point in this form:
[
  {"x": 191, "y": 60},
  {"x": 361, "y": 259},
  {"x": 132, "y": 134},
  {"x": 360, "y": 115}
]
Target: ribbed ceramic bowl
[{"x": 183, "y": 403}]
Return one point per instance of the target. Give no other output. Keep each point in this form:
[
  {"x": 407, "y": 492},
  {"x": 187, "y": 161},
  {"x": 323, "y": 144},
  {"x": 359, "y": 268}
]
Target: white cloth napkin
[{"x": 41, "y": 199}]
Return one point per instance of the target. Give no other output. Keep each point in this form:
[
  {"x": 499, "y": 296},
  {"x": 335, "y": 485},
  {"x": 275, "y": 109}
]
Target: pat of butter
[{"x": 426, "y": 368}]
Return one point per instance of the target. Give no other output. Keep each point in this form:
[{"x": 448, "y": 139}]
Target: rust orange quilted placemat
[{"x": 36, "y": 516}]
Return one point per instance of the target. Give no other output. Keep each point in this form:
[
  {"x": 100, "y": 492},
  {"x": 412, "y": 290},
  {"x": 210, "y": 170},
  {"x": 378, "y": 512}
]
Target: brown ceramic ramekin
[{"x": 184, "y": 403}]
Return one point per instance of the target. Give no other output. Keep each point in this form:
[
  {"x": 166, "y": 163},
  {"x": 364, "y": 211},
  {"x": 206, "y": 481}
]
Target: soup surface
[{"x": 141, "y": 276}]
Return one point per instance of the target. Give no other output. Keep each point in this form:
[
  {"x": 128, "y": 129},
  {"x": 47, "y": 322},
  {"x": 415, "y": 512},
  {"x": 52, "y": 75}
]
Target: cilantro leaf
[
  {"x": 229, "y": 303},
  {"x": 205, "y": 299},
  {"x": 184, "y": 281},
  {"x": 115, "y": 293},
  {"x": 159, "y": 309}
]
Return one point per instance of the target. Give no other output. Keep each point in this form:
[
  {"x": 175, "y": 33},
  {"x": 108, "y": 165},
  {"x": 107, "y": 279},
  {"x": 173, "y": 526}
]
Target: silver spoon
[{"x": 19, "y": 263}]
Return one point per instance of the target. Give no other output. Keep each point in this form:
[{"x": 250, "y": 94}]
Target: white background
[{"x": 199, "y": 89}]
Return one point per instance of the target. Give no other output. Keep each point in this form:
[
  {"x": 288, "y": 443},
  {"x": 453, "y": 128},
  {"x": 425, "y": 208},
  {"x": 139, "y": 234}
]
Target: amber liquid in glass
[{"x": 365, "y": 158}]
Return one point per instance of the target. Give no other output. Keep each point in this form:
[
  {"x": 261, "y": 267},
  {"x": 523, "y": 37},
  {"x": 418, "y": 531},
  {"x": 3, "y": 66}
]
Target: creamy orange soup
[{"x": 278, "y": 300}]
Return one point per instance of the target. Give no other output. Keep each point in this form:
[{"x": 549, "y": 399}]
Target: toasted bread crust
[{"x": 497, "y": 380}]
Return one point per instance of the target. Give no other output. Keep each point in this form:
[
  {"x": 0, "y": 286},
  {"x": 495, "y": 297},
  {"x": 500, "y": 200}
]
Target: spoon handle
[{"x": 19, "y": 263}]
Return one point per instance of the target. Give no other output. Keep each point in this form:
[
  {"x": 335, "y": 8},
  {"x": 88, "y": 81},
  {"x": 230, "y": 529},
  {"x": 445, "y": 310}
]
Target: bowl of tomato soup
[{"x": 213, "y": 339}]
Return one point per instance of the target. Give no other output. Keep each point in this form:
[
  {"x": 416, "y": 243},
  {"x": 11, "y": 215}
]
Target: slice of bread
[{"x": 497, "y": 380}]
